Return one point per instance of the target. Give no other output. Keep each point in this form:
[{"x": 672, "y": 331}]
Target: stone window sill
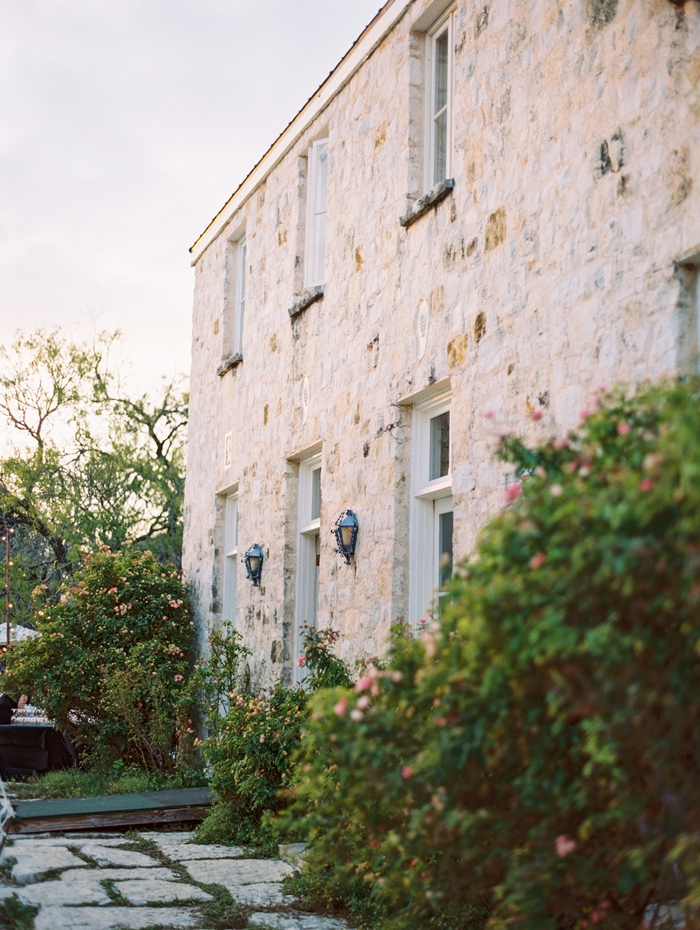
[
  {"x": 420, "y": 207},
  {"x": 228, "y": 363},
  {"x": 310, "y": 297}
]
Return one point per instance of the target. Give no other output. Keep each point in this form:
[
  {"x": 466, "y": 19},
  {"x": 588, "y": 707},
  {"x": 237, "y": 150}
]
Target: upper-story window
[
  {"x": 316, "y": 200},
  {"x": 239, "y": 297},
  {"x": 438, "y": 96}
]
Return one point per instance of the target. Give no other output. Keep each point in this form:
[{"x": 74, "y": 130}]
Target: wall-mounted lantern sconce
[
  {"x": 346, "y": 527},
  {"x": 253, "y": 564}
]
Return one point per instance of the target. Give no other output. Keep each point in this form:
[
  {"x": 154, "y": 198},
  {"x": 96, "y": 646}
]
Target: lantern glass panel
[{"x": 346, "y": 535}]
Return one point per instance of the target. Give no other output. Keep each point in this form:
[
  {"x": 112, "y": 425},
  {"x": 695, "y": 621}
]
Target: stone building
[{"x": 482, "y": 209}]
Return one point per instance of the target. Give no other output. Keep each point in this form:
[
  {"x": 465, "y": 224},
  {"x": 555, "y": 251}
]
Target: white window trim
[
  {"x": 229, "y": 601},
  {"x": 446, "y": 21},
  {"x": 423, "y": 566},
  {"x": 314, "y": 277},
  {"x": 309, "y": 529},
  {"x": 239, "y": 296}
]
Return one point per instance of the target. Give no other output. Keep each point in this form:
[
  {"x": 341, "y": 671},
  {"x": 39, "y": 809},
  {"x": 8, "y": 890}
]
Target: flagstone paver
[
  {"x": 60, "y": 894},
  {"x": 238, "y": 871},
  {"x": 153, "y": 891},
  {"x": 182, "y": 852},
  {"x": 91, "y": 895},
  {"x": 31, "y": 863},
  {"x": 115, "y": 875},
  {"x": 111, "y": 918},
  {"x": 299, "y": 922},
  {"x": 106, "y": 855}
]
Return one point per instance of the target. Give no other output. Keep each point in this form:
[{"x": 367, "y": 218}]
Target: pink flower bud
[
  {"x": 513, "y": 493},
  {"x": 646, "y": 484},
  {"x": 564, "y": 846},
  {"x": 536, "y": 415},
  {"x": 537, "y": 560},
  {"x": 341, "y": 707},
  {"x": 406, "y": 771}
]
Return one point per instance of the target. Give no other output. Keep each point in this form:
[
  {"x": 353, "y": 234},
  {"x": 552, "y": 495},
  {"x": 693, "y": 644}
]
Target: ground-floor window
[
  {"x": 230, "y": 587},
  {"x": 308, "y": 552},
  {"x": 432, "y": 520}
]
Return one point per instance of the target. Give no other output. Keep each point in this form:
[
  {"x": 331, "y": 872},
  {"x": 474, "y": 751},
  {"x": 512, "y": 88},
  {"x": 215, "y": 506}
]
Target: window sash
[
  {"x": 439, "y": 81},
  {"x": 239, "y": 298},
  {"x": 317, "y": 200},
  {"x": 230, "y": 586}
]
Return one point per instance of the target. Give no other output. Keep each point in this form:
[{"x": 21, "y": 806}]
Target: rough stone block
[
  {"x": 238, "y": 871},
  {"x": 153, "y": 891},
  {"x": 62, "y": 894},
  {"x": 111, "y": 918},
  {"x": 105, "y": 855},
  {"x": 32, "y": 863},
  {"x": 296, "y": 922}
]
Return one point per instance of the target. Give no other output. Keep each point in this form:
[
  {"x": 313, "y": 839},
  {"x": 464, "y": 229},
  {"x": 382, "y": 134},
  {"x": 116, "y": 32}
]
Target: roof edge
[{"x": 369, "y": 39}]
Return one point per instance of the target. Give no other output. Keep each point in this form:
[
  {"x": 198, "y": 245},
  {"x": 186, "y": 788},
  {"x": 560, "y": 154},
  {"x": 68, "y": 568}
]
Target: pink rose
[
  {"x": 537, "y": 560},
  {"x": 513, "y": 493},
  {"x": 406, "y": 771},
  {"x": 646, "y": 484},
  {"x": 341, "y": 707},
  {"x": 364, "y": 683},
  {"x": 623, "y": 428},
  {"x": 536, "y": 415},
  {"x": 564, "y": 846},
  {"x": 300, "y": 661}
]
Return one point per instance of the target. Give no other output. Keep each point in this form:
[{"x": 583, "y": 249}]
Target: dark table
[{"x": 30, "y": 750}]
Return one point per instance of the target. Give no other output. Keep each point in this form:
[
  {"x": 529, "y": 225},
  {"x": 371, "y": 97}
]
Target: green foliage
[
  {"x": 252, "y": 737},
  {"x": 111, "y": 665},
  {"x": 117, "y": 779},
  {"x": 16, "y": 916},
  {"x": 87, "y": 465},
  {"x": 533, "y": 758}
]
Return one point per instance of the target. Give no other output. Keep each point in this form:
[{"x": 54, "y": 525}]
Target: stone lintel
[
  {"x": 228, "y": 363},
  {"x": 427, "y": 202},
  {"x": 310, "y": 297}
]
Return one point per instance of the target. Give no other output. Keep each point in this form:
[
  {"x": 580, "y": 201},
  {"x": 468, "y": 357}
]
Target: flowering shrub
[
  {"x": 111, "y": 666},
  {"x": 532, "y": 760},
  {"x": 251, "y": 743}
]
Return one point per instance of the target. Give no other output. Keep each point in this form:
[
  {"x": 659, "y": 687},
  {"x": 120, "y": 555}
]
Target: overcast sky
[{"x": 124, "y": 126}]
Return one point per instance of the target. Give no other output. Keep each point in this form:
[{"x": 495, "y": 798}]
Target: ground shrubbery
[
  {"x": 532, "y": 760},
  {"x": 252, "y": 737},
  {"x": 112, "y": 664}
]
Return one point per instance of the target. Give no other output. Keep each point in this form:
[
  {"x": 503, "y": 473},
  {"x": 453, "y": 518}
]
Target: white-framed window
[
  {"x": 316, "y": 203},
  {"x": 308, "y": 552},
  {"x": 230, "y": 587},
  {"x": 239, "y": 298},
  {"x": 431, "y": 528},
  {"x": 439, "y": 72}
]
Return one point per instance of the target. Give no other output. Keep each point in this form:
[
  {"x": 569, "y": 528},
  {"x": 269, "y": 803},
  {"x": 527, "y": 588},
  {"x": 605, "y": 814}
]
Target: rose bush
[
  {"x": 112, "y": 663},
  {"x": 532, "y": 759}
]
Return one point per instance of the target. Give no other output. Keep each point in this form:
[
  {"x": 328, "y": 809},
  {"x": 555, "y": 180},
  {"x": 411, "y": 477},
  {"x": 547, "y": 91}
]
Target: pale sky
[{"x": 124, "y": 126}]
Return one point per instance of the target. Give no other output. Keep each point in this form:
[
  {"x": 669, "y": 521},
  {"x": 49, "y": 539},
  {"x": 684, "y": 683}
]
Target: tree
[{"x": 89, "y": 465}]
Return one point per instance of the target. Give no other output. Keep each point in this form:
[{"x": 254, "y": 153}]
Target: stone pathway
[{"x": 146, "y": 880}]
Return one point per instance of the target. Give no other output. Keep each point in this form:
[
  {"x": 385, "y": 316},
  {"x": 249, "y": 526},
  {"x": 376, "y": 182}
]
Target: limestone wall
[{"x": 549, "y": 269}]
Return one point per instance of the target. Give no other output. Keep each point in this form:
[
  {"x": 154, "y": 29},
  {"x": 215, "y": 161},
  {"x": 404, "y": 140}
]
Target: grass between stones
[{"x": 16, "y": 916}]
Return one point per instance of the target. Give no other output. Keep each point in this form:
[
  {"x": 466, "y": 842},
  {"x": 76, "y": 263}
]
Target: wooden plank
[
  {"x": 111, "y": 810},
  {"x": 99, "y": 821}
]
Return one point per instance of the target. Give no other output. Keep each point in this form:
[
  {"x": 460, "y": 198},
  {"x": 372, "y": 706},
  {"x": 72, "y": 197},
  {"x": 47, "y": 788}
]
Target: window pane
[
  {"x": 316, "y": 494},
  {"x": 440, "y": 446},
  {"x": 231, "y": 527},
  {"x": 445, "y": 547},
  {"x": 440, "y": 148},
  {"x": 441, "y": 53},
  {"x": 322, "y": 180}
]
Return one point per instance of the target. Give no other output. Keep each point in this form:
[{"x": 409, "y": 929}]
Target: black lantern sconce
[
  {"x": 253, "y": 564},
  {"x": 346, "y": 527}
]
